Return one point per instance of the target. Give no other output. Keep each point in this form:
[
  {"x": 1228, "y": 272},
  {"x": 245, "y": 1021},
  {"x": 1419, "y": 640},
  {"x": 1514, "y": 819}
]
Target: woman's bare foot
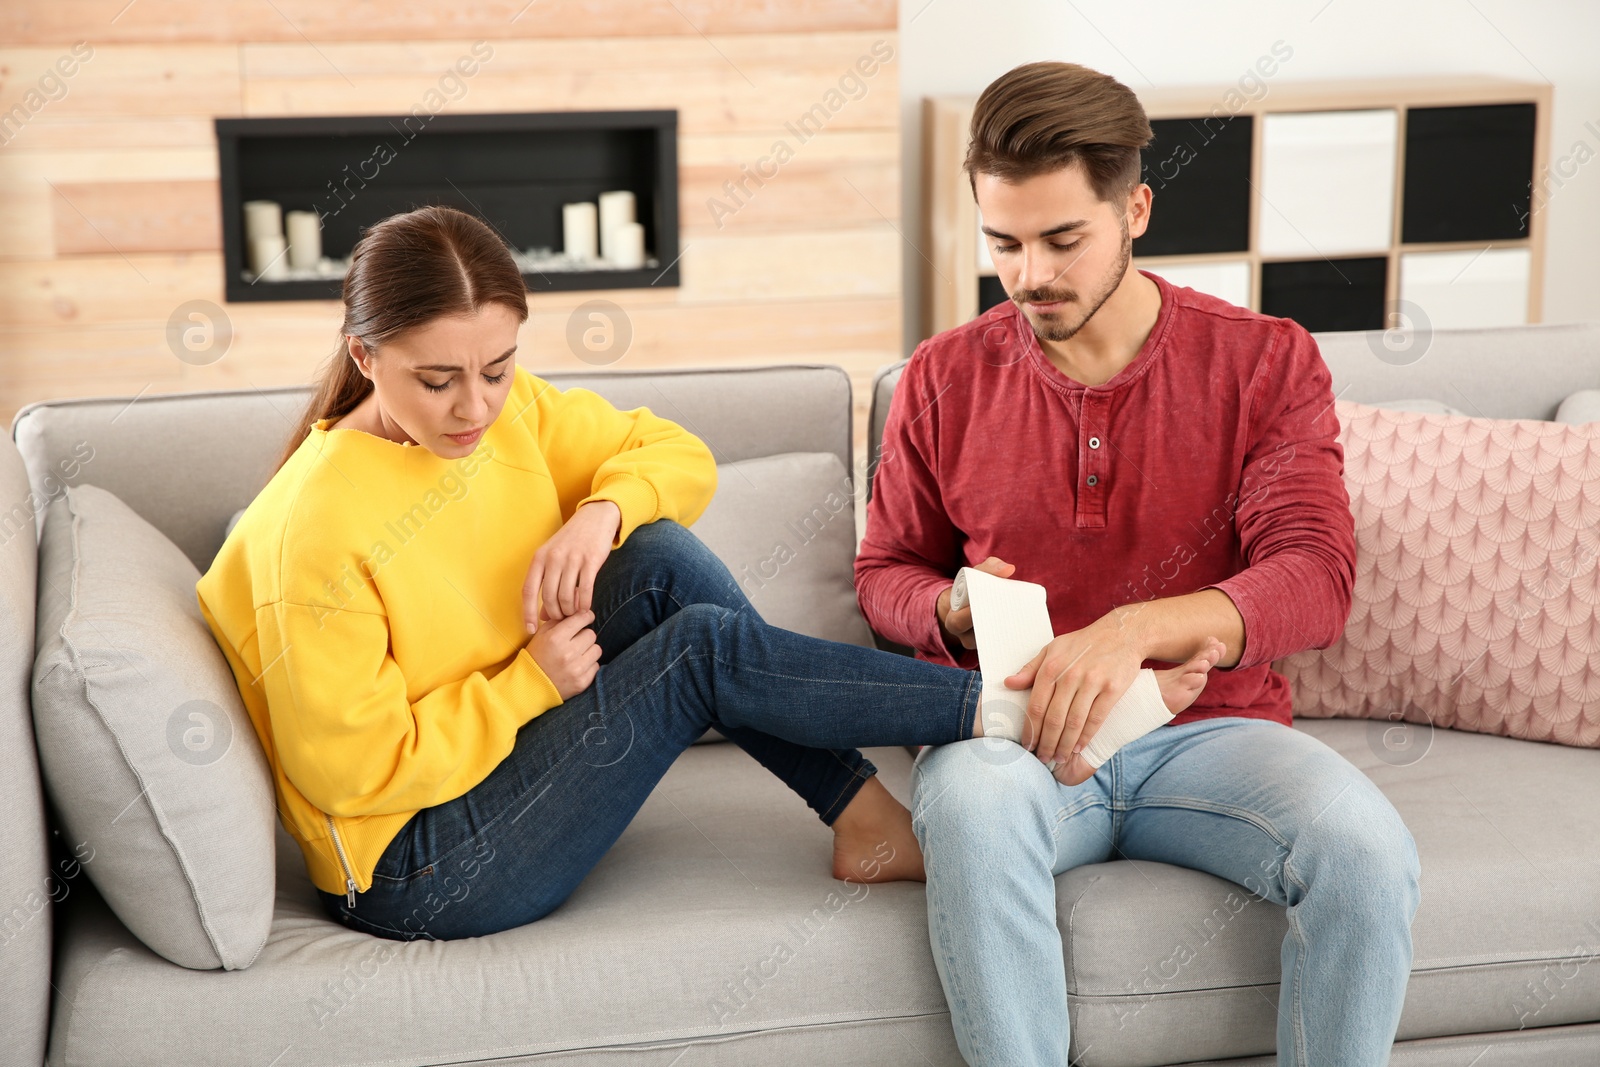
[
  {"x": 873, "y": 840},
  {"x": 1180, "y": 687}
]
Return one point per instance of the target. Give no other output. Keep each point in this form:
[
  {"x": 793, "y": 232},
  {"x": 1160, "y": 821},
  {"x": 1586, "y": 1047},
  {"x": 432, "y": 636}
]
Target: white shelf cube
[
  {"x": 1468, "y": 289},
  {"x": 1327, "y": 182},
  {"x": 1228, "y": 281}
]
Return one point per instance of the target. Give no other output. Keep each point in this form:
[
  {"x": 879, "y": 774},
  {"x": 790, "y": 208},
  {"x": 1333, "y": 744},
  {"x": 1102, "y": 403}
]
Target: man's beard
[{"x": 1055, "y": 326}]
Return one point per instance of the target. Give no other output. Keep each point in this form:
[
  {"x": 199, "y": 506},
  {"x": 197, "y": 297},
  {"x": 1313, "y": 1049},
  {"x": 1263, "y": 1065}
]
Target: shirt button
[
  {"x": 1094, "y": 442},
  {"x": 1094, "y": 479}
]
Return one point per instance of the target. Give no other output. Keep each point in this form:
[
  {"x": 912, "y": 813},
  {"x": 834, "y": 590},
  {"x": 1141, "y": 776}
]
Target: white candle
[
  {"x": 262, "y": 218},
  {"x": 305, "y": 238},
  {"x": 579, "y": 233},
  {"x": 268, "y": 258},
  {"x": 627, "y": 246},
  {"x": 616, "y": 208}
]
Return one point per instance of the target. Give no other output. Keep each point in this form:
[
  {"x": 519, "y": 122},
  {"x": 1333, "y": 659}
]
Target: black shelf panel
[
  {"x": 1468, "y": 173},
  {"x": 1198, "y": 171},
  {"x": 1322, "y": 294},
  {"x": 513, "y": 170},
  {"x": 990, "y": 292}
]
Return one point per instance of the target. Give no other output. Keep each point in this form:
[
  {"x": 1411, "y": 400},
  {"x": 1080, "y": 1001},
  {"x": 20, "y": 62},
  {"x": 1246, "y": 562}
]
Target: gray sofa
[{"x": 666, "y": 953}]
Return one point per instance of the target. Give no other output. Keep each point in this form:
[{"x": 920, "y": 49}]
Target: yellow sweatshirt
[{"x": 369, "y": 602}]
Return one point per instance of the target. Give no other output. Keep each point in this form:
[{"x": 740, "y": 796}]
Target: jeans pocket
[
  {"x": 377, "y": 929},
  {"x": 400, "y": 881},
  {"x": 397, "y": 866}
]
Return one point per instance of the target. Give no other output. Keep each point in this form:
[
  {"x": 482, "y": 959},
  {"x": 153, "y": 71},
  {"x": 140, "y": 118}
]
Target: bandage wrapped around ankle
[{"x": 1011, "y": 623}]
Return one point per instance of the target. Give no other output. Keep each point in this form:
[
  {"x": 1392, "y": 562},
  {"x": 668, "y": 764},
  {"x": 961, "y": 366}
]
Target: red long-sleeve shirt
[{"x": 1210, "y": 461}]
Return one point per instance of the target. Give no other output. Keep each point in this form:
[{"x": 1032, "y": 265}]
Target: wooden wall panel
[
  {"x": 719, "y": 85},
  {"x": 131, "y": 287},
  {"x": 45, "y": 21},
  {"x": 285, "y": 344},
  {"x": 29, "y": 181},
  {"x": 127, "y": 81},
  {"x": 108, "y": 217},
  {"x": 51, "y": 133},
  {"x": 108, "y": 196}
]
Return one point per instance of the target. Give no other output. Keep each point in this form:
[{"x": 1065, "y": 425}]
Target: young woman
[{"x": 445, "y": 773}]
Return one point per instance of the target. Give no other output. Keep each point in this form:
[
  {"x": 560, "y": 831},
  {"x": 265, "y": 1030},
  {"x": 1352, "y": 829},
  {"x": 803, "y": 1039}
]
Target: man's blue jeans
[
  {"x": 682, "y": 650},
  {"x": 1253, "y": 801}
]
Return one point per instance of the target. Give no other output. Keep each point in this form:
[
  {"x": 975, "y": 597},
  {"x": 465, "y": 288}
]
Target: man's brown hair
[{"x": 1040, "y": 117}]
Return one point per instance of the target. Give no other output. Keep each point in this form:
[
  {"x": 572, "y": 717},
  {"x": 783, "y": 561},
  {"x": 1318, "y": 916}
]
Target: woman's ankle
[
  {"x": 876, "y": 843},
  {"x": 864, "y": 810}
]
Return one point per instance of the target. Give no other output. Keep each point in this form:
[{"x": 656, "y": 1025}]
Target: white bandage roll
[{"x": 1011, "y": 622}]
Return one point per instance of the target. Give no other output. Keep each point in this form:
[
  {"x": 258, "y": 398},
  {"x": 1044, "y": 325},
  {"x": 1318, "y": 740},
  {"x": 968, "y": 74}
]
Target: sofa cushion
[
  {"x": 148, "y": 754},
  {"x": 714, "y": 921},
  {"x": 1163, "y": 959},
  {"x": 1476, "y": 580},
  {"x": 1579, "y": 408},
  {"x": 786, "y": 527}
]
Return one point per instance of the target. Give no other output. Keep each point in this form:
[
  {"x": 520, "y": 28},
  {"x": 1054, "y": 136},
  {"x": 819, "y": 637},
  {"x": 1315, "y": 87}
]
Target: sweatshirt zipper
[{"x": 349, "y": 879}]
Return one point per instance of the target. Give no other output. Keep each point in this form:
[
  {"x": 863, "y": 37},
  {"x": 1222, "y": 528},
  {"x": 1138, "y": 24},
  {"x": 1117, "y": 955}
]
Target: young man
[{"x": 1166, "y": 465}]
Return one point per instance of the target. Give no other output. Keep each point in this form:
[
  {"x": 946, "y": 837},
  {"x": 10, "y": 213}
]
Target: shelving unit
[
  {"x": 513, "y": 169},
  {"x": 1343, "y": 205}
]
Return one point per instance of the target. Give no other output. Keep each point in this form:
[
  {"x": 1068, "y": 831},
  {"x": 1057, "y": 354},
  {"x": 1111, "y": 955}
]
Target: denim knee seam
[
  {"x": 637, "y": 593},
  {"x": 1227, "y": 810}
]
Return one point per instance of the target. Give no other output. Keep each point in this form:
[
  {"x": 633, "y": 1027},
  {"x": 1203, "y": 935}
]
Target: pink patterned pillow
[{"x": 1477, "y": 590}]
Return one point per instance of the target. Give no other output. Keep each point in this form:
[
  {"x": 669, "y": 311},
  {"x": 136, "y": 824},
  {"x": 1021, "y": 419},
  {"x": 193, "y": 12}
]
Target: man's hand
[
  {"x": 1076, "y": 679},
  {"x": 958, "y": 624},
  {"x": 560, "y": 580}
]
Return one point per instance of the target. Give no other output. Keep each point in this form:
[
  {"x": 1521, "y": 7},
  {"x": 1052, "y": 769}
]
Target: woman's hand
[
  {"x": 568, "y": 652},
  {"x": 560, "y": 580}
]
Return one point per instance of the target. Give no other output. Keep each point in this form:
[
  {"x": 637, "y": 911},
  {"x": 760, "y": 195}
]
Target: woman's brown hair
[
  {"x": 1040, "y": 117},
  {"x": 405, "y": 272}
]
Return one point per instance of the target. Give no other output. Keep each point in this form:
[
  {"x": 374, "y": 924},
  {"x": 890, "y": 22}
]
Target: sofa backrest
[
  {"x": 27, "y": 888},
  {"x": 1503, "y": 372},
  {"x": 188, "y": 461}
]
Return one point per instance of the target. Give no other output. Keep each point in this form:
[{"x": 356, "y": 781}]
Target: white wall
[{"x": 959, "y": 46}]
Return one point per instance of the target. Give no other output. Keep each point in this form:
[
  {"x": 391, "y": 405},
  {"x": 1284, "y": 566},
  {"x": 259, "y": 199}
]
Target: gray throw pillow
[
  {"x": 148, "y": 753},
  {"x": 1581, "y": 407},
  {"x": 786, "y": 527}
]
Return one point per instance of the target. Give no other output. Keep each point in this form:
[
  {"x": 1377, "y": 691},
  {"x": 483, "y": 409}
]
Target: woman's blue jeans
[{"x": 682, "y": 650}]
